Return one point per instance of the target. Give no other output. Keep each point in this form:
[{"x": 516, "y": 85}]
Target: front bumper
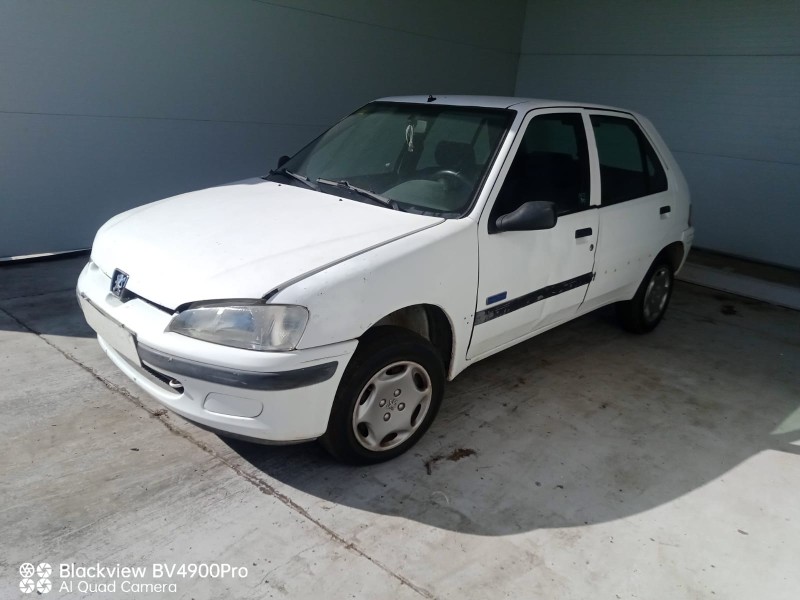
[{"x": 266, "y": 396}]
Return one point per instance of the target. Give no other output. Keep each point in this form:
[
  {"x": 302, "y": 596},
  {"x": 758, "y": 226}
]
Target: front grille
[
  {"x": 173, "y": 384},
  {"x": 129, "y": 295},
  {"x": 160, "y": 379}
]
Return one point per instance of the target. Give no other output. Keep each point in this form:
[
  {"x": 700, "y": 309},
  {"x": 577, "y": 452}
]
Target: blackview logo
[{"x": 35, "y": 578}]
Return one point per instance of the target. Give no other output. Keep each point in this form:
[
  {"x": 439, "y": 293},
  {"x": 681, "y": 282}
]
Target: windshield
[{"x": 426, "y": 159}]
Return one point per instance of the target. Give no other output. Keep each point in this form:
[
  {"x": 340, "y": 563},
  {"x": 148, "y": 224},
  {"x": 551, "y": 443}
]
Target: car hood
[{"x": 241, "y": 240}]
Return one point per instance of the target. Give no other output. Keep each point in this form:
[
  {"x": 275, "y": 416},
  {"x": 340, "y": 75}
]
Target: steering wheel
[{"x": 452, "y": 179}]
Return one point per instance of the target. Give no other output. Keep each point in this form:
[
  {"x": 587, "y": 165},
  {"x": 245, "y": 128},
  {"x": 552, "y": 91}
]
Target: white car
[{"x": 333, "y": 297}]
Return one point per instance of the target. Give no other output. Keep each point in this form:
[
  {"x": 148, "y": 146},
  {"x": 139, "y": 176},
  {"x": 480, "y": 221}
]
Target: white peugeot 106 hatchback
[{"x": 333, "y": 297}]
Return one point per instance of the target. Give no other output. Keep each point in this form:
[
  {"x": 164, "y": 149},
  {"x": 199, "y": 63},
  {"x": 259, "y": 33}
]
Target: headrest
[{"x": 455, "y": 156}]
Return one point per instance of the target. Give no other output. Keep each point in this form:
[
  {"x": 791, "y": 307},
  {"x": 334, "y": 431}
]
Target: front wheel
[
  {"x": 387, "y": 399},
  {"x": 645, "y": 310}
]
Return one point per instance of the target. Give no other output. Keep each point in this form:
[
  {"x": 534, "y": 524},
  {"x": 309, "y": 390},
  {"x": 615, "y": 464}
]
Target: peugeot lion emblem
[{"x": 118, "y": 282}]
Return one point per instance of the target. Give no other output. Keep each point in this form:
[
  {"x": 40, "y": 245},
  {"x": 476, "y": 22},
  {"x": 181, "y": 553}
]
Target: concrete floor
[{"x": 605, "y": 465}]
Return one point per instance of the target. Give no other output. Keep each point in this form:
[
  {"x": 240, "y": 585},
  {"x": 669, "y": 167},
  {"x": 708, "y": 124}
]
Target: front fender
[{"x": 437, "y": 266}]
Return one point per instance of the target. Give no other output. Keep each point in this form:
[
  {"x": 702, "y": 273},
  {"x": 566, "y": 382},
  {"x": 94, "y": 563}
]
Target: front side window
[
  {"x": 424, "y": 158},
  {"x": 551, "y": 164},
  {"x": 629, "y": 167}
]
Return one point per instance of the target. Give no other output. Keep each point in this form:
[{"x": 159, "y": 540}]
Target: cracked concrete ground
[{"x": 585, "y": 463}]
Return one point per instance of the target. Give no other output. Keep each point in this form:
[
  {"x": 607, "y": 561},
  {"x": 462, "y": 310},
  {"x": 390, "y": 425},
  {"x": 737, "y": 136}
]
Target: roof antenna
[{"x": 431, "y": 97}]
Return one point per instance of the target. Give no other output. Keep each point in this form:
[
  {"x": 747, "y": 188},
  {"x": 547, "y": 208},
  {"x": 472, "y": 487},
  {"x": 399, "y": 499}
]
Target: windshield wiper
[
  {"x": 300, "y": 178},
  {"x": 361, "y": 191}
]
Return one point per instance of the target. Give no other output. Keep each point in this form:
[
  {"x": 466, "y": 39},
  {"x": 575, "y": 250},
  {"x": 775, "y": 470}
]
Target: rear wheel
[
  {"x": 645, "y": 310},
  {"x": 387, "y": 399}
]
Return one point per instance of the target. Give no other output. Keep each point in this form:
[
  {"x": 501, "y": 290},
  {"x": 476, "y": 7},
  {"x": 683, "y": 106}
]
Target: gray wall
[
  {"x": 108, "y": 104},
  {"x": 721, "y": 81}
]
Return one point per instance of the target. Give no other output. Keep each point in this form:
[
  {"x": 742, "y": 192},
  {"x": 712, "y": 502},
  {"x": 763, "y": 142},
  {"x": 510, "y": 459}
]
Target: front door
[{"x": 529, "y": 280}]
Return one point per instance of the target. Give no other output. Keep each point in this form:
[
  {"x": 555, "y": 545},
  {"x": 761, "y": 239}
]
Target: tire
[
  {"x": 387, "y": 398},
  {"x": 645, "y": 310}
]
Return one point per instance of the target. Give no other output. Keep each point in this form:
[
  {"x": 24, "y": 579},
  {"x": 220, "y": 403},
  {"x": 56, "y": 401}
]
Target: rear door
[
  {"x": 636, "y": 209},
  {"x": 529, "y": 279}
]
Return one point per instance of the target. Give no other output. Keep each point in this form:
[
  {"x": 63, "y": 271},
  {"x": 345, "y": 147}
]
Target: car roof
[{"x": 521, "y": 104}]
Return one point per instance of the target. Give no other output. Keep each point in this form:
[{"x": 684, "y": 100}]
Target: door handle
[
  {"x": 664, "y": 210},
  {"x": 585, "y": 232}
]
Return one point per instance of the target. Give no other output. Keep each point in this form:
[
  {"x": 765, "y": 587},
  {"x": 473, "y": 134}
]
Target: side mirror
[
  {"x": 283, "y": 160},
  {"x": 528, "y": 217}
]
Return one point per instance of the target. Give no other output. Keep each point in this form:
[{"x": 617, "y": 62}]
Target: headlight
[{"x": 251, "y": 325}]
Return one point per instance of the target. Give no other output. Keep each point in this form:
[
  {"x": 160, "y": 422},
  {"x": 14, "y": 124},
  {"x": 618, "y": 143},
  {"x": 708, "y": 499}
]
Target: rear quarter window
[{"x": 629, "y": 167}]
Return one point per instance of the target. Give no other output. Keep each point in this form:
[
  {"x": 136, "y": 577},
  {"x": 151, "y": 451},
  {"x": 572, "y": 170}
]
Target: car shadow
[
  {"x": 583, "y": 424},
  {"x": 40, "y": 295}
]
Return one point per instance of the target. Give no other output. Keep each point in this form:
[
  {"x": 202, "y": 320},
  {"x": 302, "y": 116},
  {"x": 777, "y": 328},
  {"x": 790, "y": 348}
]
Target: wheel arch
[
  {"x": 428, "y": 320},
  {"x": 674, "y": 253}
]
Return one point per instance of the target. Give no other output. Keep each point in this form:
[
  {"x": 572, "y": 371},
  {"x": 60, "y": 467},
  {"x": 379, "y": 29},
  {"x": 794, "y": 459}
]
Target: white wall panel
[
  {"x": 720, "y": 80},
  {"x": 107, "y": 104}
]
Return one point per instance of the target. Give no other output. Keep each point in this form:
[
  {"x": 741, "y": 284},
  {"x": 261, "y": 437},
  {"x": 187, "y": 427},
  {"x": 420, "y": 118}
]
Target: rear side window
[{"x": 629, "y": 167}]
